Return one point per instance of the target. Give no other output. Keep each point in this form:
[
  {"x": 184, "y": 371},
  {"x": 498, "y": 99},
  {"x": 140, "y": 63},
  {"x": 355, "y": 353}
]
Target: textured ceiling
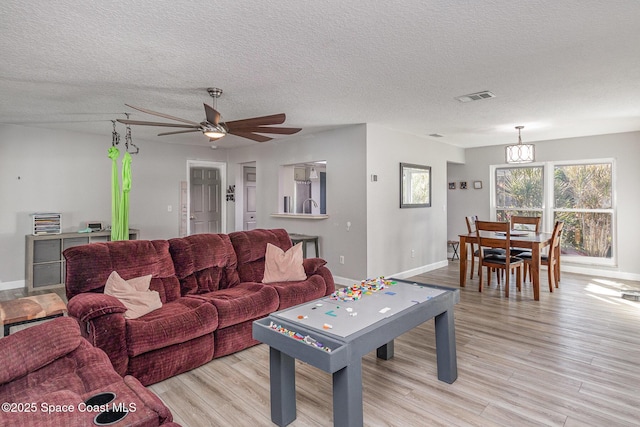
[{"x": 561, "y": 68}]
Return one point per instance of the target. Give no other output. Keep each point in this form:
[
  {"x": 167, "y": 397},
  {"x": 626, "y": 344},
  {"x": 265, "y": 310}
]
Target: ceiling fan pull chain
[{"x": 115, "y": 136}]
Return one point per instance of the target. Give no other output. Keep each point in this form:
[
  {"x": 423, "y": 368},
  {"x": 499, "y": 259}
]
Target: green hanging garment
[
  {"x": 124, "y": 201},
  {"x": 114, "y": 153}
]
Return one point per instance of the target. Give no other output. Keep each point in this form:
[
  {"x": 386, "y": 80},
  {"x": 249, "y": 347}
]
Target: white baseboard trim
[
  {"x": 420, "y": 270},
  {"x": 5, "y": 286},
  {"x": 345, "y": 281},
  {"x": 590, "y": 271}
]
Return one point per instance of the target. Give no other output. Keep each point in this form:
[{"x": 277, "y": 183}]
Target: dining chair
[
  {"x": 526, "y": 223},
  {"x": 486, "y": 232},
  {"x": 475, "y": 253},
  {"x": 551, "y": 260}
]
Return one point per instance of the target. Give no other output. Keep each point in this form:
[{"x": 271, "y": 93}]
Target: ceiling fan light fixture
[
  {"x": 520, "y": 153},
  {"x": 213, "y": 128},
  {"x": 214, "y": 132}
]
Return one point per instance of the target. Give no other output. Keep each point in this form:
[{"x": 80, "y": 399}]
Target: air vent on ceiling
[{"x": 478, "y": 96}]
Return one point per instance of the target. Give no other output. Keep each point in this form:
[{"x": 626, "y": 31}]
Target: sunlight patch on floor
[
  {"x": 602, "y": 290},
  {"x": 607, "y": 300},
  {"x": 609, "y": 291},
  {"x": 608, "y": 282}
]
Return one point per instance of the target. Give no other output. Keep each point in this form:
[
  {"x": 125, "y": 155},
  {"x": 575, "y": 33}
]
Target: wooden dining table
[{"x": 529, "y": 240}]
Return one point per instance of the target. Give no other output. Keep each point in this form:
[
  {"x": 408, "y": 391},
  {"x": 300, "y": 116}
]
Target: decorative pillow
[
  {"x": 281, "y": 266},
  {"x": 134, "y": 294}
]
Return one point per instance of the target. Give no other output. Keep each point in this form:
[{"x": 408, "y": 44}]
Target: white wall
[
  {"x": 70, "y": 173},
  {"x": 47, "y": 170},
  {"x": 623, "y": 147},
  {"x": 344, "y": 151},
  {"x": 381, "y": 235},
  {"x": 392, "y": 233}
]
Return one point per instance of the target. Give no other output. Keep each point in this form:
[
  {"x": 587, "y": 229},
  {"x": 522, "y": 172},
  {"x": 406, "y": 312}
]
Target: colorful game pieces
[
  {"x": 366, "y": 287},
  {"x": 299, "y": 337}
]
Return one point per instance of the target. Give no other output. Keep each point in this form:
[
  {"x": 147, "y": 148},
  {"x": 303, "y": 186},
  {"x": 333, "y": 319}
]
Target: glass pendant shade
[
  {"x": 520, "y": 153},
  {"x": 216, "y": 132}
]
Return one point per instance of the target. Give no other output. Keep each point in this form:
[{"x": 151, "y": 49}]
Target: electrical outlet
[
  {"x": 413, "y": 253},
  {"x": 341, "y": 259},
  {"x": 169, "y": 208}
]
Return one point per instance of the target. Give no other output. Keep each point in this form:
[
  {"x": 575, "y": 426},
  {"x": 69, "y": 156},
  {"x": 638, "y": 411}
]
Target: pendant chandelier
[{"x": 520, "y": 153}]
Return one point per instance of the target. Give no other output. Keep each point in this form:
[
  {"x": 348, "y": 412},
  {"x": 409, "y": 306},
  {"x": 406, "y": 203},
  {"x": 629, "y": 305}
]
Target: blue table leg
[
  {"x": 446, "y": 347},
  {"x": 347, "y": 395},
  {"x": 385, "y": 352},
  {"x": 283, "y": 387}
]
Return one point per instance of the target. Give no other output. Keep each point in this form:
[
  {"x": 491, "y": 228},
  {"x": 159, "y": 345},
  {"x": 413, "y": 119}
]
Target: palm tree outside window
[{"x": 580, "y": 193}]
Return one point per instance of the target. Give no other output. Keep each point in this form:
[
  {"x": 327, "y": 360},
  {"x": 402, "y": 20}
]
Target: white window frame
[
  {"x": 492, "y": 191},
  {"x": 548, "y": 208}
]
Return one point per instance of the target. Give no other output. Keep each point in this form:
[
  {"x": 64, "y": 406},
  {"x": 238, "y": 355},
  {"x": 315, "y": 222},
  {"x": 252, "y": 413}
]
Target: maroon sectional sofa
[
  {"x": 49, "y": 371},
  {"x": 211, "y": 291}
]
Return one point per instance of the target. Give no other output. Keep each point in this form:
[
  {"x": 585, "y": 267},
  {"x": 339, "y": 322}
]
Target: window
[
  {"x": 519, "y": 191},
  {"x": 578, "y": 193},
  {"x": 583, "y": 200}
]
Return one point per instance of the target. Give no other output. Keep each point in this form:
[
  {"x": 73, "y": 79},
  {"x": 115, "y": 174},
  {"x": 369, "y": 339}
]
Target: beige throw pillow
[
  {"x": 281, "y": 266},
  {"x": 134, "y": 294}
]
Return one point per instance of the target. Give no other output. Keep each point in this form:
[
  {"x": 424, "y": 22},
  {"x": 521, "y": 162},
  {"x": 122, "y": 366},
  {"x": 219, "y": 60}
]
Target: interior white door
[
  {"x": 206, "y": 212},
  {"x": 249, "y": 214}
]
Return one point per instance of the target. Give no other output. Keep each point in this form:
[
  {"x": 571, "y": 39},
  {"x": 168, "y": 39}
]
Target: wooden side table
[
  {"x": 30, "y": 309},
  {"x": 295, "y": 238}
]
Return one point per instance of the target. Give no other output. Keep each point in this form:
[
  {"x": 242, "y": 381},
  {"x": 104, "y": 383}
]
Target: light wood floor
[{"x": 570, "y": 359}]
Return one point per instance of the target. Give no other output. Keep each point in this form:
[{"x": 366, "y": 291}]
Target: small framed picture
[
  {"x": 477, "y": 185},
  {"x": 452, "y": 186},
  {"x": 463, "y": 185}
]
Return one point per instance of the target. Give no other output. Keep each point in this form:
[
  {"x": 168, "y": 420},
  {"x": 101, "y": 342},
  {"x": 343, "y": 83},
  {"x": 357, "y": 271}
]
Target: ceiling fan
[{"x": 213, "y": 128}]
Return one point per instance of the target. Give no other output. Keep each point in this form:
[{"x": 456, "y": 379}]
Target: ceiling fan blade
[
  {"x": 268, "y": 129},
  {"x": 171, "y": 125},
  {"x": 252, "y": 136},
  {"x": 275, "y": 119},
  {"x": 178, "y": 131},
  {"x": 212, "y": 115},
  {"x": 166, "y": 116}
]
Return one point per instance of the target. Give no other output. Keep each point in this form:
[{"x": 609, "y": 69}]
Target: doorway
[
  {"x": 249, "y": 220},
  {"x": 207, "y": 210}
]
